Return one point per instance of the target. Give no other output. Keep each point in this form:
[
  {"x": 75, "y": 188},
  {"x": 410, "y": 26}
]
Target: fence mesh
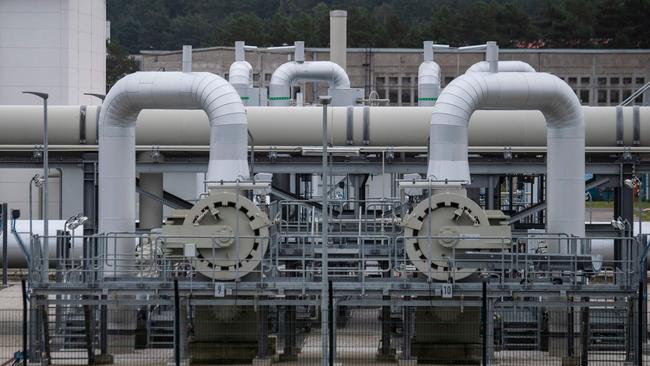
[{"x": 69, "y": 330}]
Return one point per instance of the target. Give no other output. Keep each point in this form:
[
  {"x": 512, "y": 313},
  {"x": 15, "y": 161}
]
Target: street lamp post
[
  {"x": 325, "y": 301},
  {"x": 46, "y": 169}
]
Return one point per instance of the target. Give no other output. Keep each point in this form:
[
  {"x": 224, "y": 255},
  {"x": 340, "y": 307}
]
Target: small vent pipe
[{"x": 429, "y": 76}]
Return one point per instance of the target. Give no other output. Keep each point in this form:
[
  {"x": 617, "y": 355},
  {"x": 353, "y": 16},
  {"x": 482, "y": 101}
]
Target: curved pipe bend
[
  {"x": 241, "y": 74},
  {"x": 516, "y": 90},
  {"x": 504, "y": 66},
  {"x": 162, "y": 90},
  {"x": 291, "y": 72}
]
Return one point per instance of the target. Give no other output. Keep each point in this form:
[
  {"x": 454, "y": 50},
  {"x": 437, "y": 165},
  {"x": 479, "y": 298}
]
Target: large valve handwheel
[
  {"x": 433, "y": 229},
  {"x": 231, "y": 235}
]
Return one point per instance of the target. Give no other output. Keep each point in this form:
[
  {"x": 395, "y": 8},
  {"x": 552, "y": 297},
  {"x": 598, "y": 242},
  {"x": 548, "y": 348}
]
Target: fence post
[
  {"x": 330, "y": 323},
  {"x": 177, "y": 327},
  {"x": 25, "y": 352},
  {"x": 640, "y": 328},
  {"x": 484, "y": 324},
  {"x": 45, "y": 320},
  {"x": 584, "y": 325}
]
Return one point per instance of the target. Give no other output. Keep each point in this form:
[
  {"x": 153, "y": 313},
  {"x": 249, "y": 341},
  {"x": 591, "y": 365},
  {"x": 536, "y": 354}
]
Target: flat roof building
[{"x": 599, "y": 77}]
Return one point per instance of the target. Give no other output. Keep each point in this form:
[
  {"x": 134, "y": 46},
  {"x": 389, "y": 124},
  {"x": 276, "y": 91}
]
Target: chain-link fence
[{"x": 522, "y": 329}]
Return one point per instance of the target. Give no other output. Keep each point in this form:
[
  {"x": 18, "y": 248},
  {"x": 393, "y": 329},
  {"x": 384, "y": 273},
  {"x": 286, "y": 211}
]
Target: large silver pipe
[
  {"x": 290, "y": 126},
  {"x": 448, "y": 154},
  {"x": 162, "y": 90}
]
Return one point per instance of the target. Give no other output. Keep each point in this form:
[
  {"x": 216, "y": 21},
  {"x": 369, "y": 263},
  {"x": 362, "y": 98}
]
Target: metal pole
[
  {"x": 46, "y": 169},
  {"x": 325, "y": 100},
  {"x": 24, "y": 289},
  {"x": 177, "y": 325},
  {"x": 46, "y": 177},
  {"x": 640, "y": 324},
  {"x": 484, "y": 315},
  {"x": 5, "y": 243}
]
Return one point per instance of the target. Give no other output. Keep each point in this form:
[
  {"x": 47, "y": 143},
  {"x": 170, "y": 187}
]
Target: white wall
[{"x": 52, "y": 46}]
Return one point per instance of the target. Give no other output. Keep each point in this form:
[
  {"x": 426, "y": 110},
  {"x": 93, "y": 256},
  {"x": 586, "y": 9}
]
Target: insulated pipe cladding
[
  {"x": 161, "y": 90},
  {"x": 240, "y": 74},
  {"x": 429, "y": 76},
  {"x": 448, "y": 154},
  {"x": 504, "y": 66},
  {"x": 74, "y": 127}
]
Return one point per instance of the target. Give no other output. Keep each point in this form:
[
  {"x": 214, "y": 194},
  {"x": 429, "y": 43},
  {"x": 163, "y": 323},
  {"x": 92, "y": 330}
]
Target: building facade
[
  {"x": 599, "y": 77},
  {"x": 52, "y": 46}
]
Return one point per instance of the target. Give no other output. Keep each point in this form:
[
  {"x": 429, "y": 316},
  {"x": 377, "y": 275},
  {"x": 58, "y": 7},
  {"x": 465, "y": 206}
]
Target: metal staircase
[
  {"x": 520, "y": 328},
  {"x": 160, "y": 325},
  {"x": 607, "y": 329}
]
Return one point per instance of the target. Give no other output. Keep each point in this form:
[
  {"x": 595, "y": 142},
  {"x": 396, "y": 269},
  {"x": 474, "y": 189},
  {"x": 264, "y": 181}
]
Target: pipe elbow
[
  {"x": 241, "y": 73},
  {"x": 504, "y": 66},
  {"x": 429, "y": 73},
  {"x": 219, "y": 99},
  {"x": 291, "y": 72}
]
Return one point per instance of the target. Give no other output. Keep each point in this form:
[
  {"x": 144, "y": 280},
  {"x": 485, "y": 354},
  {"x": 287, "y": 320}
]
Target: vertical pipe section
[
  {"x": 338, "y": 37},
  {"x": 517, "y": 90},
  {"x": 429, "y": 76},
  {"x": 161, "y": 90},
  {"x": 187, "y": 58}
]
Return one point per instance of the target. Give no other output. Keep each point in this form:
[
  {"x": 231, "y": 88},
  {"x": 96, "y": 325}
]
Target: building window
[
  {"x": 406, "y": 97},
  {"x": 614, "y": 81},
  {"x": 627, "y": 81},
  {"x": 602, "y": 81},
  {"x": 256, "y": 78},
  {"x": 585, "y": 81},
  {"x": 584, "y": 96},
  {"x": 380, "y": 81},
  {"x": 639, "y": 99},
  {"x": 267, "y": 77},
  {"x": 626, "y": 94},
  {"x": 602, "y": 96},
  {"x": 406, "y": 81},
  {"x": 448, "y": 79},
  {"x": 382, "y": 93},
  {"x": 573, "y": 80},
  {"x": 614, "y": 96},
  {"x": 640, "y": 81},
  {"x": 392, "y": 80},
  {"x": 392, "y": 96}
]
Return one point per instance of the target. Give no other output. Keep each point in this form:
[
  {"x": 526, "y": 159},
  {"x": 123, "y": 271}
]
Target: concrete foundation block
[
  {"x": 121, "y": 343},
  {"x": 261, "y": 361},
  {"x": 184, "y": 362},
  {"x": 407, "y": 362},
  {"x": 105, "y": 359},
  {"x": 570, "y": 361}
]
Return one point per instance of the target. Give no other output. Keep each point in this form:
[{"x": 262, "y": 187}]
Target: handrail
[{"x": 634, "y": 95}]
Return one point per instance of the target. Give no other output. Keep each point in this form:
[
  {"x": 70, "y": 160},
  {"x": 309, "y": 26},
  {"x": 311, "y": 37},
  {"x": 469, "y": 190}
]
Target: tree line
[{"x": 169, "y": 24}]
